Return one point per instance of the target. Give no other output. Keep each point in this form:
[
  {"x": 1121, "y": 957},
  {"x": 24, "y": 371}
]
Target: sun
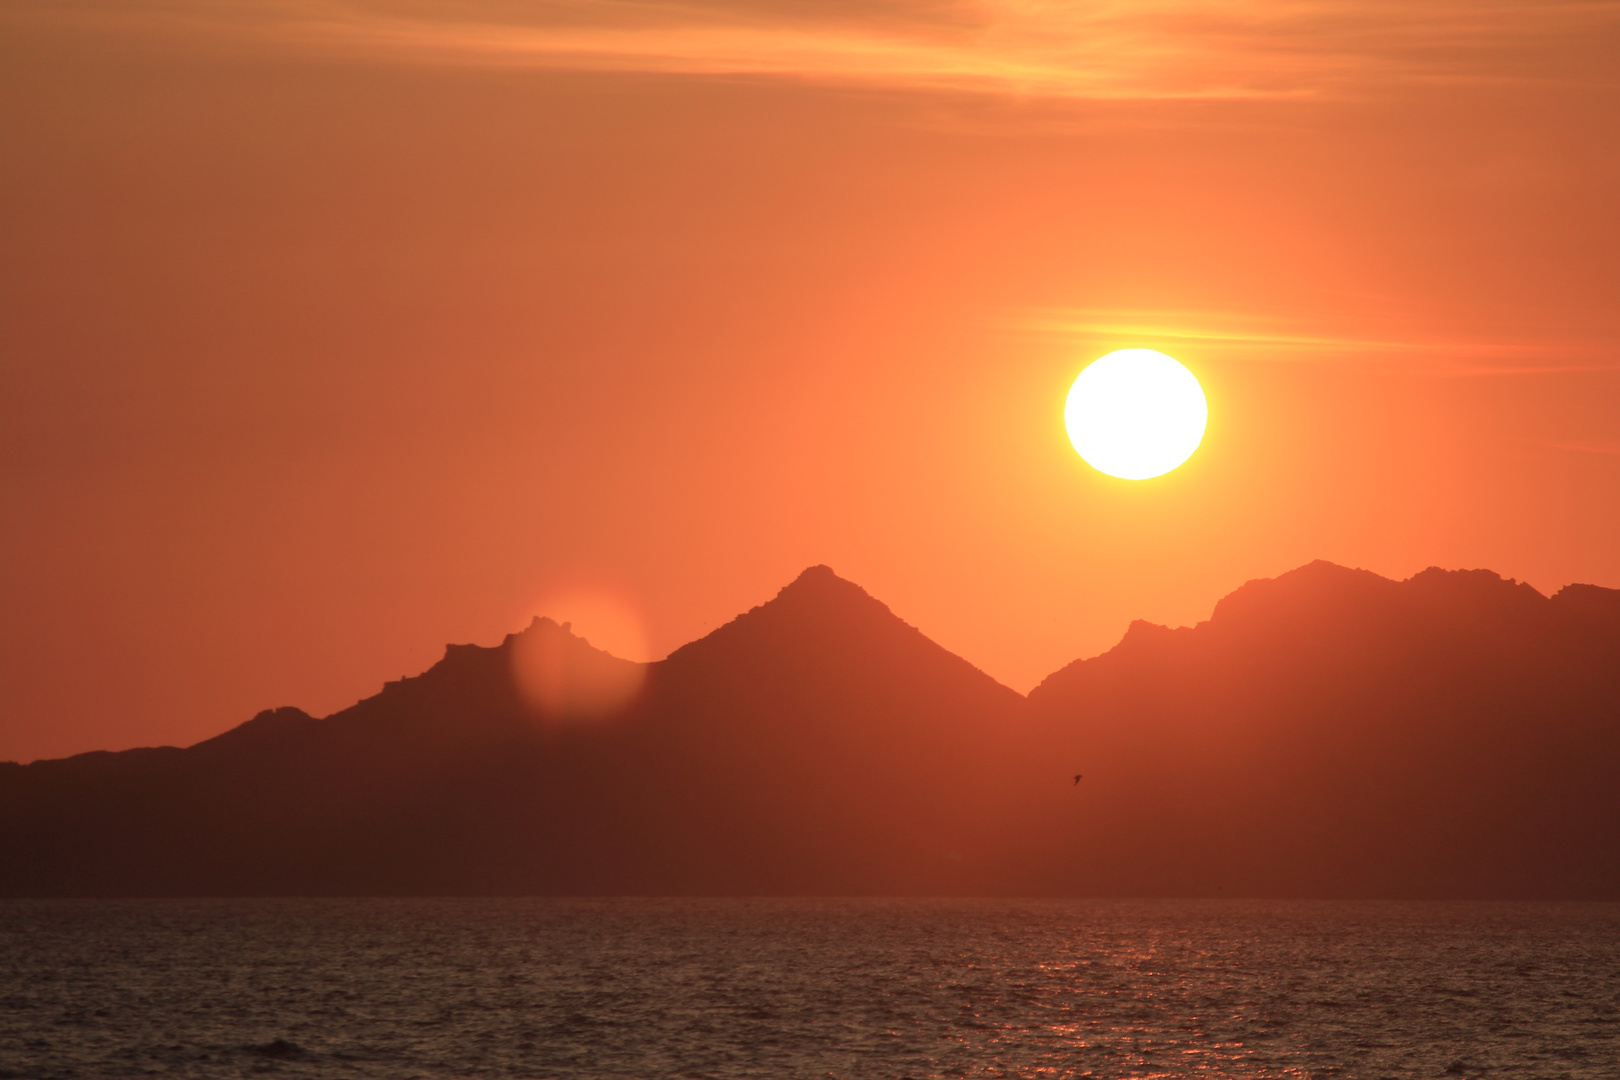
[{"x": 1135, "y": 414}]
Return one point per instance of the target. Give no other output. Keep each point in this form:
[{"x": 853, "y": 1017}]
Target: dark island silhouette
[{"x": 1326, "y": 733}]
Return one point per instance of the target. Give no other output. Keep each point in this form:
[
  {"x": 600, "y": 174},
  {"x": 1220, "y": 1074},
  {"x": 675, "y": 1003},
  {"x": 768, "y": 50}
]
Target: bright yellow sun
[{"x": 1135, "y": 414}]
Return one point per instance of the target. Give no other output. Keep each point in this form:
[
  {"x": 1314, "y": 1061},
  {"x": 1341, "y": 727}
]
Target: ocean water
[{"x": 807, "y": 988}]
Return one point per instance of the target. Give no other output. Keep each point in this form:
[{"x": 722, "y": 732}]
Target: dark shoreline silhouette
[{"x": 1328, "y": 733}]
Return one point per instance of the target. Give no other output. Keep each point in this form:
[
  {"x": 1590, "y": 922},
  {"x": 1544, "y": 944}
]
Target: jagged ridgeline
[{"x": 1325, "y": 733}]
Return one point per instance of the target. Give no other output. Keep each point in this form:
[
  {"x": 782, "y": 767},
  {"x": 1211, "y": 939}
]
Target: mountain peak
[
  {"x": 819, "y": 584},
  {"x": 1316, "y": 586},
  {"x": 1474, "y": 588},
  {"x": 817, "y": 603},
  {"x": 1590, "y": 602},
  {"x": 270, "y": 725},
  {"x": 543, "y": 626},
  {"x": 820, "y": 622}
]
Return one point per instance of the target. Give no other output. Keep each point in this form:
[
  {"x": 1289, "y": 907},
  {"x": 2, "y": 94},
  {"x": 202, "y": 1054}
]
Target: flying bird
[{"x": 1077, "y": 778}]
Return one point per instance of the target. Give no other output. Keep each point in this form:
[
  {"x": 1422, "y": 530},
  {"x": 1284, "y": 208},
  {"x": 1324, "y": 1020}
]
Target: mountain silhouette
[
  {"x": 1333, "y": 733},
  {"x": 816, "y": 743},
  {"x": 1325, "y": 733}
]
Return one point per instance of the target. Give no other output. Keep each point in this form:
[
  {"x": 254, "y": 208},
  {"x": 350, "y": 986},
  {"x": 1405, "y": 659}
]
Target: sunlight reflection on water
[{"x": 807, "y": 988}]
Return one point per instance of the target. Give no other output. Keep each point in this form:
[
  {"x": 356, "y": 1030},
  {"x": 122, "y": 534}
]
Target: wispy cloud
[
  {"x": 1038, "y": 48},
  {"x": 1218, "y": 330},
  {"x": 1232, "y": 335}
]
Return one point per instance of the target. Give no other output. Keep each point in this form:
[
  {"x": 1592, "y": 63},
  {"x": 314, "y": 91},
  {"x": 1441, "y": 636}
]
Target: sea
[{"x": 778, "y": 988}]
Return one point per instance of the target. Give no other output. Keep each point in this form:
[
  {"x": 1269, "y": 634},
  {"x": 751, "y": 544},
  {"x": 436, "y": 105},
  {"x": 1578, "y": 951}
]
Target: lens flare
[
  {"x": 1136, "y": 414},
  {"x": 577, "y": 671}
]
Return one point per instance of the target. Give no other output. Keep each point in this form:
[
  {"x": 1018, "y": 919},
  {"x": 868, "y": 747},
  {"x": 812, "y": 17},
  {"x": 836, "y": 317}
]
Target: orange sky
[{"x": 332, "y": 332}]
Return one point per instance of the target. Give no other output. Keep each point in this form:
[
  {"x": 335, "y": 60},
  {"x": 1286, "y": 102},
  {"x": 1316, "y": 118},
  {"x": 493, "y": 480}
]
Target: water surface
[{"x": 807, "y": 988}]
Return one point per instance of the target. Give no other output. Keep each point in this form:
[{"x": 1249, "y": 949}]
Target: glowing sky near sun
[{"x": 330, "y": 332}]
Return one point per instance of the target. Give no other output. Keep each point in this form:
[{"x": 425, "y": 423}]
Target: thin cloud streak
[
  {"x": 1229, "y": 333},
  {"x": 1029, "y": 48},
  {"x": 1472, "y": 370},
  {"x": 1204, "y": 328}
]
